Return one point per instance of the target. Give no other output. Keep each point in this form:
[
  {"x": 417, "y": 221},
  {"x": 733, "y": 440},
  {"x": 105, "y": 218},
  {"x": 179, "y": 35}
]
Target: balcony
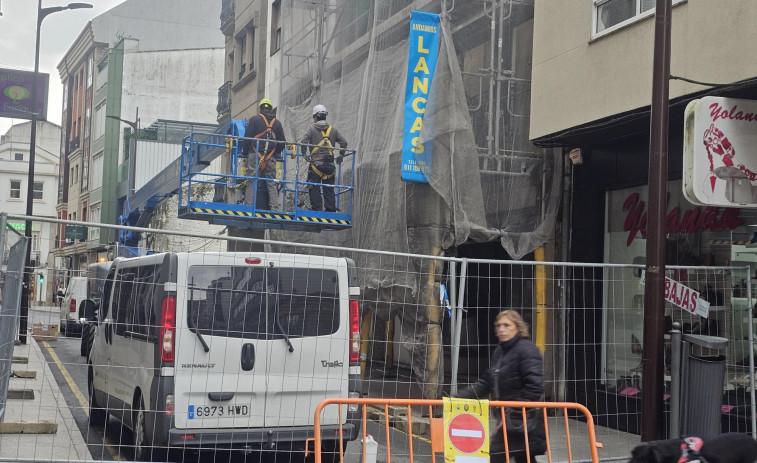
[
  {"x": 73, "y": 144},
  {"x": 224, "y": 100},
  {"x": 227, "y": 17}
]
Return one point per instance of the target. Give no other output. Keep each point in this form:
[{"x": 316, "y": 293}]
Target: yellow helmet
[{"x": 266, "y": 102}]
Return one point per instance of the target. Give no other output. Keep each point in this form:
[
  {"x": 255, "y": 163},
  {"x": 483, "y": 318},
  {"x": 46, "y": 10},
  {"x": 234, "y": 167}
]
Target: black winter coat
[
  {"x": 516, "y": 374},
  {"x": 255, "y": 126}
]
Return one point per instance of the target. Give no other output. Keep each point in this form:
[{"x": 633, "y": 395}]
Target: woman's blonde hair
[{"x": 514, "y": 317}]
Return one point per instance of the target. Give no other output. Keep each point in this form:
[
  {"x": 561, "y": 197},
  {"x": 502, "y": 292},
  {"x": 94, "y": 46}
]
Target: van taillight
[
  {"x": 72, "y": 306},
  {"x": 167, "y": 336},
  {"x": 354, "y": 331},
  {"x": 169, "y": 404}
]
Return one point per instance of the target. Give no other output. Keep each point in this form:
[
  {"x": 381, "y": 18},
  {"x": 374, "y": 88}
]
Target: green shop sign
[
  {"x": 18, "y": 226},
  {"x": 76, "y": 232}
]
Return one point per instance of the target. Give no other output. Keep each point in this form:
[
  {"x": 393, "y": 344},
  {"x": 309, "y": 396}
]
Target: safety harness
[
  {"x": 327, "y": 143},
  {"x": 268, "y": 132}
]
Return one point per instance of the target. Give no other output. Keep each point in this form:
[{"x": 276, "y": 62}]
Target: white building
[
  {"x": 163, "y": 59},
  {"x": 14, "y": 172}
]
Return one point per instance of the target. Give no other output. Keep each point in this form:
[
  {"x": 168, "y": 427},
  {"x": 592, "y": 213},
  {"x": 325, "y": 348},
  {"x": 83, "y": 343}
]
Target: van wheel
[
  {"x": 143, "y": 450},
  {"x": 97, "y": 415}
]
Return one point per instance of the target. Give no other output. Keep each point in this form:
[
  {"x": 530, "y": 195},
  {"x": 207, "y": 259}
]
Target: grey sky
[{"x": 58, "y": 32}]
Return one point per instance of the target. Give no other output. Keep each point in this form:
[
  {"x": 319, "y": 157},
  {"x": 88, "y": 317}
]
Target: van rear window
[{"x": 246, "y": 302}]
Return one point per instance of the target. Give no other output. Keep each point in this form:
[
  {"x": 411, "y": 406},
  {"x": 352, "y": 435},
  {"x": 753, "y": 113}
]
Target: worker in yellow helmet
[{"x": 261, "y": 149}]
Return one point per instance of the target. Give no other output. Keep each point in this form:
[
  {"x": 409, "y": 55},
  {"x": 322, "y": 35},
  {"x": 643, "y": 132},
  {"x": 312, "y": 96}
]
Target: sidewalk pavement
[{"x": 47, "y": 406}]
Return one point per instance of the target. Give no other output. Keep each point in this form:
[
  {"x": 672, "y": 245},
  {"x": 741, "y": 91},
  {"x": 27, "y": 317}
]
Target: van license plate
[{"x": 217, "y": 410}]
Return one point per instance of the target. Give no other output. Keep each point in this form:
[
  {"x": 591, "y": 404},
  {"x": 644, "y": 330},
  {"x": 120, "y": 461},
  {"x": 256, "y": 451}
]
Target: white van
[
  {"x": 226, "y": 350},
  {"x": 76, "y": 292}
]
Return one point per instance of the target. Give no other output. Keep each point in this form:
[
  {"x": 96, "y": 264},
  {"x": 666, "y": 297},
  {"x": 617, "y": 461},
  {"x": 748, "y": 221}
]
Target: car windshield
[{"x": 246, "y": 302}]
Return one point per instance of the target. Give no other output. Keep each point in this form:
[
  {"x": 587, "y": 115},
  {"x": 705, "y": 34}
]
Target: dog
[{"x": 726, "y": 448}]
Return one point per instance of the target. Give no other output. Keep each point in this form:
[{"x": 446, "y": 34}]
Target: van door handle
[
  {"x": 220, "y": 396},
  {"x": 248, "y": 357}
]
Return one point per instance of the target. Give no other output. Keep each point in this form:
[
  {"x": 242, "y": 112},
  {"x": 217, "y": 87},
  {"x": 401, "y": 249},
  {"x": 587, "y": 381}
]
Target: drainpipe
[
  {"x": 492, "y": 78},
  {"x": 498, "y": 73},
  {"x": 541, "y": 300}
]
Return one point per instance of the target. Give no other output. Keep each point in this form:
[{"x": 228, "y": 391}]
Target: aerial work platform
[{"x": 218, "y": 198}]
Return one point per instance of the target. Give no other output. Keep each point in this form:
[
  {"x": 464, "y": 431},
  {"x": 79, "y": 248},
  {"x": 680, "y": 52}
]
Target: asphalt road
[{"x": 113, "y": 443}]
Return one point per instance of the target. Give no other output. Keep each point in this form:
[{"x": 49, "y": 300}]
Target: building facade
[
  {"x": 352, "y": 56},
  {"x": 137, "y": 63},
  {"x": 14, "y": 173},
  {"x": 592, "y": 88}
]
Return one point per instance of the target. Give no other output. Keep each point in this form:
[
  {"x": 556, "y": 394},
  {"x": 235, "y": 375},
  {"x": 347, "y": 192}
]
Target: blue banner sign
[{"x": 423, "y": 54}]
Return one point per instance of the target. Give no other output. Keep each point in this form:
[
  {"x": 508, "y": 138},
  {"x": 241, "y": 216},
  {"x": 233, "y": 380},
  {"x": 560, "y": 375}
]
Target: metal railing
[{"x": 224, "y": 99}]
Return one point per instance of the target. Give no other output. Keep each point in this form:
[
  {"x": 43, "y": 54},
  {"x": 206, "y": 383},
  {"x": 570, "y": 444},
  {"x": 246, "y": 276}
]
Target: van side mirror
[{"x": 88, "y": 310}]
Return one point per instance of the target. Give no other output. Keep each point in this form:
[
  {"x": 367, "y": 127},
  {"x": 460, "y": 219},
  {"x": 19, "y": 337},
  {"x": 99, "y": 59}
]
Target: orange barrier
[{"x": 435, "y": 432}]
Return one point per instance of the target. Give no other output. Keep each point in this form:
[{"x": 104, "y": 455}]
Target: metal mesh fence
[
  {"x": 204, "y": 351},
  {"x": 11, "y": 284}
]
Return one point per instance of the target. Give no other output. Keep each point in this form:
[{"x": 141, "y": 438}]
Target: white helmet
[{"x": 320, "y": 109}]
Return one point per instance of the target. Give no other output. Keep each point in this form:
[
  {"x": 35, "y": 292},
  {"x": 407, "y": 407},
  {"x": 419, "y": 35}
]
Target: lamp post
[
  {"x": 42, "y": 13},
  {"x": 652, "y": 419},
  {"x": 132, "y": 156}
]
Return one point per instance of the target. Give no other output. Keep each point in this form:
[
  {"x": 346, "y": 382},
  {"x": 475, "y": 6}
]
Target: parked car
[
  {"x": 76, "y": 292},
  {"x": 227, "y": 350},
  {"x": 96, "y": 274}
]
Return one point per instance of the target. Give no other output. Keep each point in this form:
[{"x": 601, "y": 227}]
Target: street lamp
[
  {"x": 132, "y": 157},
  {"x": 41, "y": 14}
]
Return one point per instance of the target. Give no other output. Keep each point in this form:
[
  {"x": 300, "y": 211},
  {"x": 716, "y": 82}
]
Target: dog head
[{"x": 664, "y": 451}]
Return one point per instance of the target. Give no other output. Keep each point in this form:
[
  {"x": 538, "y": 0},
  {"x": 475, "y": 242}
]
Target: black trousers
[
  {"x": 516, "y": 444},
  {"x": 328, "y": 202}
]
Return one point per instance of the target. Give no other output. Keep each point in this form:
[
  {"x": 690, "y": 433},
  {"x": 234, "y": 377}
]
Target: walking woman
[{"x": 515, "y": 374}]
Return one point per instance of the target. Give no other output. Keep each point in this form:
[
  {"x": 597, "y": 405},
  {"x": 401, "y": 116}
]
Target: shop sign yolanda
[
  {"x": 690, "y": 220},
  {"x": 719, "y": 159},
  {"x": 684, "y": 297}
]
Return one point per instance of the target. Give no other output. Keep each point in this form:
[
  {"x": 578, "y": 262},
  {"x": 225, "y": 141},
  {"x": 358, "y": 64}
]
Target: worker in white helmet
[{"x": 319, "y": 142}]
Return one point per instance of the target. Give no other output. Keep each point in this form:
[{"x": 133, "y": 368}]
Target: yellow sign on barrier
[{"x": 466, "y": 431}]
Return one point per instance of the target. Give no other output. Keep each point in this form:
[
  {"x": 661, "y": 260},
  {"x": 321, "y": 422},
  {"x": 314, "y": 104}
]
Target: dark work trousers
[
  {"x": 262, "y": 197},
  {"x": 329, "y": 200},
  {"x": 517, "y": 447}
]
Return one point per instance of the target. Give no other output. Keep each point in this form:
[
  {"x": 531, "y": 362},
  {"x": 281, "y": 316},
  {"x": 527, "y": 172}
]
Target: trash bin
[{"x": 696, "y": 385}]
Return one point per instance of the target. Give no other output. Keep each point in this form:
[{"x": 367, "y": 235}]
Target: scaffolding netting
[{"x": 487, "y": 181}]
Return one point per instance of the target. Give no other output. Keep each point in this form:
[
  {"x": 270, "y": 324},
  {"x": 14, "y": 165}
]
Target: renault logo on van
[
  {"x": 198, "y": 365},
  {"x": 334, "y": 364}
]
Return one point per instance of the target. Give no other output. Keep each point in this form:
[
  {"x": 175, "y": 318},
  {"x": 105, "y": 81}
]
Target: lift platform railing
[
  {"x": 292, "y": 183},
  {"x": 394, "y": 418}
]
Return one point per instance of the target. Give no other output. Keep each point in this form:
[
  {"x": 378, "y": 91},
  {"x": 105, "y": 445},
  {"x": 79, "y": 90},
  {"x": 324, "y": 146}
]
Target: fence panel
[
  {"x": 426, "y": 330},
  {"x": 11, "y": 283}
]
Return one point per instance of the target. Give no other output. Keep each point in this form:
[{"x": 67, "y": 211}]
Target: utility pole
[{"x": 652, "y": 423}]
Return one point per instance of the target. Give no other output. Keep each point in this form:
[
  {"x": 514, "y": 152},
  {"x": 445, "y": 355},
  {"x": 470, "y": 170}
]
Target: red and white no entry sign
[{"x": 466, "y": 433}]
